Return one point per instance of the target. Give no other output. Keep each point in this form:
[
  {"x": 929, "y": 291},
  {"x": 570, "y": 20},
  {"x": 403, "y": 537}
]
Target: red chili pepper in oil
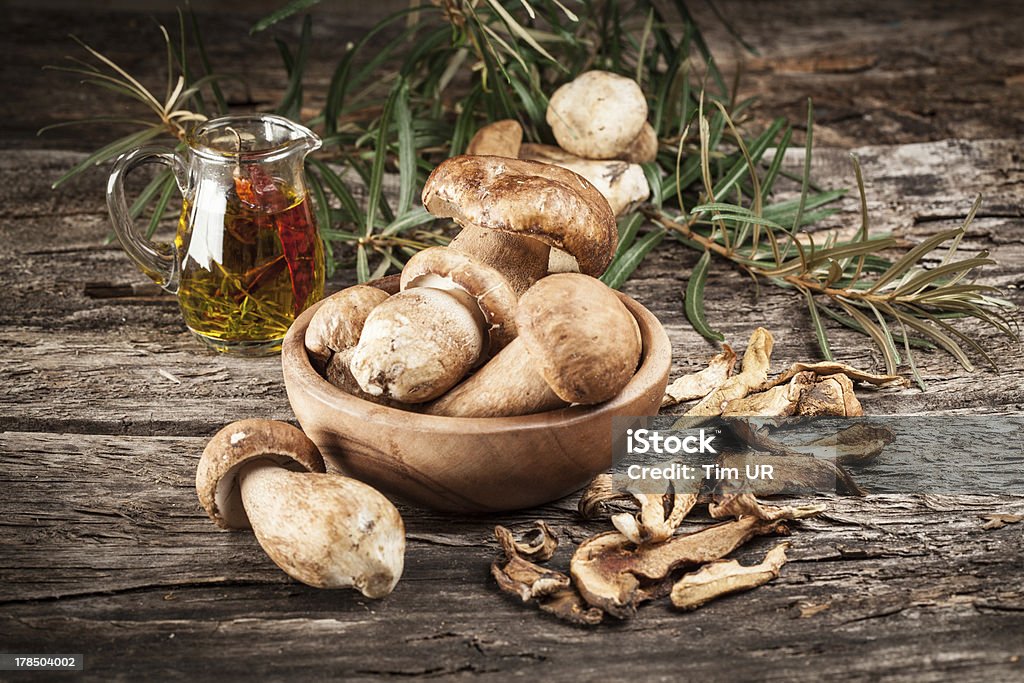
[{"x": 298, "y": 237}]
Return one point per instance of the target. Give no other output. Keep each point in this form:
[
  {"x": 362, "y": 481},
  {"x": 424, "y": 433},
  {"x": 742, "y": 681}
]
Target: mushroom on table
[
  {"x": 621, "y": 182},
  {"x": 326, "y": 530},
  {"x": 601, "y": 115}
]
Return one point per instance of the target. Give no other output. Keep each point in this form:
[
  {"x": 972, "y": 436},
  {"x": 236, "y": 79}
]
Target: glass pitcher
[{"x": 247, "y": 257}]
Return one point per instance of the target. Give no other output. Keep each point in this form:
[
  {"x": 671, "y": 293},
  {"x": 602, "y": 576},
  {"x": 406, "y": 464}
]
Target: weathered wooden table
[{"x": 106, "y": 403}]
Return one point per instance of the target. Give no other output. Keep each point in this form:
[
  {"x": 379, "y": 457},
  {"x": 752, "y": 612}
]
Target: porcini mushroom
[
  {"x": 326, "y": 530},
  {"x": 501, "y": 138},
  {"x": 538, "y": 204},
  {"x": 601, "y": 115},
  {"x": 338, "y": 322},
  {"x": 452, "y": 312},
  {"x": 448, "y": 269},
  {"x": 577, "y": 343},
  {"x": 523, "y": 258},
  {"x": 334, "y": 331},
  {"x": 622, "y": 183},
  {"x": 417, "y": 344}
]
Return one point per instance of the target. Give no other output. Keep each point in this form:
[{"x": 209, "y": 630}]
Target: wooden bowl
[{"x": 469, "y": 464}]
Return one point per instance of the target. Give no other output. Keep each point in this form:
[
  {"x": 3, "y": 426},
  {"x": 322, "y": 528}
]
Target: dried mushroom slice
[
  {"x": 779, "y": 401},
  {"x": 832, "y": 368},
  {"x": 747, "y": 505},
  {"x": 793, "y": 474},
  {"x": 660, "y": 516},
  {"x": 723, "y": 578},
  {"x": 697, "y": 385},
  {"x": 539, "y": 544},
  {"x": 614, "y": 574},
  {"x": 858, "y": 444},
  {"x": 831, "y": 395},
  {"x": 599, "y": 495},
  {"x": 551, "y": 590},
  {"x": 753, "y": 373}
]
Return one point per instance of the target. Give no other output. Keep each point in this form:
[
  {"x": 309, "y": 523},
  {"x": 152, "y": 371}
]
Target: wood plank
[{"x": 107, "y": 552}]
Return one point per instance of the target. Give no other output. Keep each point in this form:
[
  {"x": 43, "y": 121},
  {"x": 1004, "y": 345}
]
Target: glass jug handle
[{"x": 156, "y": 259}]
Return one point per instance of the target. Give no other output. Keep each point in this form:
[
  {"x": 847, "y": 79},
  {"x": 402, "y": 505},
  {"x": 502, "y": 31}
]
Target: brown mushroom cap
[
  {"x": 501, "y": 138},
  {"x": 548, "y": 203},
  {"x": 241, "y": 443},
  {"x": 446, "y": 268},
  {"x": 338, "y": 322},
  {"x": 597, "y": 115},
  {"x": 583, "y": 340}
]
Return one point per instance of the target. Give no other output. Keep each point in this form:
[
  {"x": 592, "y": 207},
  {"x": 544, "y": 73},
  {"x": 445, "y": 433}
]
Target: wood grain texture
[
  {"x": 113, "y": 557},
  {"x": 106, "y": 403}
]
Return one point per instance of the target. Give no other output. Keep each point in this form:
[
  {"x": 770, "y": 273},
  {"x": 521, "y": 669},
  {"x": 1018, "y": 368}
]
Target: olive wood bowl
[{"x": 462, "y": 464}]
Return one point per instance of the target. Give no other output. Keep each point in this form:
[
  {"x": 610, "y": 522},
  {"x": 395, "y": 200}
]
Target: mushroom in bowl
[{"x": 470, "y": 464}]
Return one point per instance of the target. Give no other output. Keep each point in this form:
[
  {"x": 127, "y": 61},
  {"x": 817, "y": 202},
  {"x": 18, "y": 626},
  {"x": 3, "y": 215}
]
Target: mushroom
[
  {"x": 452, "y": 312},
  {"x": 577, "y": 343},
  {"x": 337, "y": 324},
  {"x": 622, "y": 183},
  {"x": 518, "y": 210},
  {"x": 697, "y": 385},
  {"x": 326, "y": 530},
  {"x": 613, "y": 573},
  {"x": 551, "y": 590},
  {"x": 601, "y": 115},
  {"x": 501, "y": 138},
  {"x": 525, "y": 257},
  {"x": 448, "y": 269},
  {"x": 722, "y": 577},
  {"x": 644, "y": 147},
  {"x": 333, "y": 333}
]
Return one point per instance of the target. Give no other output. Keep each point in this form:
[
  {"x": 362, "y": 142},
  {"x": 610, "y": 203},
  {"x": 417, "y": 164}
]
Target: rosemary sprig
[{"x": 846, "y": 280}]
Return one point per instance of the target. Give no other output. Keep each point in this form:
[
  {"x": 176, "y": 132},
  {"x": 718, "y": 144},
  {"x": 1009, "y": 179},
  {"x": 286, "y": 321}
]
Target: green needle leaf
[
  {"x": 293, "y": 7},
  {"x": 819, "y": 328},
  {"x": 694, "y": 303},
  {"x": 406, "y": 149},
  {"x": 624, "y": 265}
]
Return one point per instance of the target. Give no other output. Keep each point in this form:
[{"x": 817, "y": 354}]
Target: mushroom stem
[
  {"x": 325, "y": 530},
  {"x": 509, "y": 384},
  {"x": 522, "y": 260}
]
